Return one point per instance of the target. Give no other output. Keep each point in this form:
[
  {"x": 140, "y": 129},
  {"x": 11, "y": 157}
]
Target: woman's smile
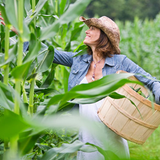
[{"x": 92, "y": 35}]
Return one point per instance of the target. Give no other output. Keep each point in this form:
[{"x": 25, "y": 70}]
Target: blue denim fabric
[
  {"x": 25, "y": 46},
  {"x": 80, "y": 65}
]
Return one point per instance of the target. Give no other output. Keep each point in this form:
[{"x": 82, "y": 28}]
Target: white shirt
[{"x": 115, "y": 143}]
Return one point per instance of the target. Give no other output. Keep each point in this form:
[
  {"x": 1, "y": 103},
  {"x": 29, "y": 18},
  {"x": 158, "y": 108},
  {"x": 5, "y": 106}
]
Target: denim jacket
[{"x": 80, "y": 65}]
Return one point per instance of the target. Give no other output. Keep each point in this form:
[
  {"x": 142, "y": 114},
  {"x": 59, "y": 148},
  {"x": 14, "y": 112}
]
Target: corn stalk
[
  {"x": 14, "y": 140},
  {"x": 6, "y": 67},
  {"x": 31, "y": 95}
]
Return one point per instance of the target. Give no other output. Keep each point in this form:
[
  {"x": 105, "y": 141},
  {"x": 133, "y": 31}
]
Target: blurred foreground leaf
[{"x": 11, "y": 125}]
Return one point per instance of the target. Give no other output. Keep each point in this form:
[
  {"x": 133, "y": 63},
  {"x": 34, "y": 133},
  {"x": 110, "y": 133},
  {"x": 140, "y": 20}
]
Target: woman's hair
[{"x": 104, "y": 46}]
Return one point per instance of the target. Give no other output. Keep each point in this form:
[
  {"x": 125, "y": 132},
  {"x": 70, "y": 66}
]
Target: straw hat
[{"x": 108, "y": 26}]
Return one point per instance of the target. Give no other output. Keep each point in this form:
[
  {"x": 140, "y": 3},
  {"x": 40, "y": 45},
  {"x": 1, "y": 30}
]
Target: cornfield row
[{"x": 140, "y": 41}]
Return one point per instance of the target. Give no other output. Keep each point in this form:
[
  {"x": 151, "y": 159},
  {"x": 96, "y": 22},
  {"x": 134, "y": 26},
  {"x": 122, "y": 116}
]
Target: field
[
  {"x": 149, "y": 150},
  {"x": 34, "y": 99}
]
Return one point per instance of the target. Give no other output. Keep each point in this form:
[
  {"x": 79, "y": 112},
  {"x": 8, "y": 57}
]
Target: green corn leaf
[
  {"x": 69, "y": 121},
  {"x": 116, "y": 95},
  {"x": 6, "y": 99},
  {"x": 65, "y": 78},
  {"x": 11, "y": 12},
  {"x": 11, "y": 125},
  {"x": 76, "y": 33},
  {"x": 27, "y": 141},
  {"x": 34, "y": 48},
  {"x": 92, "y": 92},
  {"x": 45, "y": 60},
  {"x": 50, "y": 77},
  {"x": 33, "y": 54},
  {"x": 77, "y": 8},
  {"x": 7, "y": 91},
  {"x": 81, "y": 50},
  {"x": 4, "y": 15},
  {"x": 62, "y": 6},
  {"x": 7, "y": 95},
  {"x": 12, "y": 55},
  {"x": 26, "y": 32},
  {"x": 88, "y": 148},
  {"x": 31, "y": 73},
  {"x": 31, "y": 15},
  {"x": 65, "y": 148},
  {"x": 50, "y": 31},
  {"x": 108, "y": 155},
  {"x": 20, "y": 72}
]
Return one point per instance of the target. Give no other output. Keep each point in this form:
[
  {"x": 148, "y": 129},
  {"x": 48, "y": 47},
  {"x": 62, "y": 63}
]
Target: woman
[
  {"x": 103, "y": 58},
  {"x": 102, "y": 39}
]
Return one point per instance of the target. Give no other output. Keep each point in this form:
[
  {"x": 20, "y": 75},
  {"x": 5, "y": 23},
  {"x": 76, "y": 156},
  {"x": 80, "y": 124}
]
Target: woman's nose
[{"x": 87, "y": 31}]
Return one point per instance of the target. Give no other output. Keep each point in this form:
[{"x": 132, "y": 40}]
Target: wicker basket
[{"x": 124, "y": 119}]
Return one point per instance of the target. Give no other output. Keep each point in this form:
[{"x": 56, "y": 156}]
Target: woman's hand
[{"x": 2, "y": 22}]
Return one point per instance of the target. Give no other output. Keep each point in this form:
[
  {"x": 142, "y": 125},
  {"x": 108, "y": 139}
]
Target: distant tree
[
  {"x": 150, "y": 8},
  {"x": 123, "y": 9},
  {"x": 141, "y": 9},
  {"x": 109, "y": 8},
  {"x": 132, "y": 8}
]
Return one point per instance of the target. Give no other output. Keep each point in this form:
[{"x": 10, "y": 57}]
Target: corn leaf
[
  {"x": 4, "y": 15},
  {"x": 11, "y": 124},
  {"x": 31, "y": 16},
  {"x": 45, "y": 60},
  {"x": 11, "y": 12},
  {"x": 94, "y": 91},
  {"x": 65, "y": 148},
  {"x": 34, "y": 47},
  {"x": 12, "y": 55},
  {"x": 20, "y": 72}
]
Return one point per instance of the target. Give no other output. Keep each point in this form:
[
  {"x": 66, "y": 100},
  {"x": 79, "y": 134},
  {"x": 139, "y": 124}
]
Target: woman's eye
[{"x": 92, "y": 27}]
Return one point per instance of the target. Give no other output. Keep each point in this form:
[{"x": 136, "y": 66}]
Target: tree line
[{"x": 123, "y": 9}]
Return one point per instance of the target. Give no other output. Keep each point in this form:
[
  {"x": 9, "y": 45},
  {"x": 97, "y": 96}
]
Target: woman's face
[{"x": 92, "y": 35}]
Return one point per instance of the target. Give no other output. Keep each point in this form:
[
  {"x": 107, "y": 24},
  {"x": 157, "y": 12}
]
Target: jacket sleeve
[
  {"x": 152, "y": 83},
  {"x": 63, "y": 58},
  {"x": 25, "y": 46},
  {"x": 60, "y": 57}
]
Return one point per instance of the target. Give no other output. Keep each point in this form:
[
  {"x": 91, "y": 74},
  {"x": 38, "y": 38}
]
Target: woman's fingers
[
  {"x": 2, "y": 19},
  {"x": 2, "y": 22},
  {"x": 14, "y": 30}
]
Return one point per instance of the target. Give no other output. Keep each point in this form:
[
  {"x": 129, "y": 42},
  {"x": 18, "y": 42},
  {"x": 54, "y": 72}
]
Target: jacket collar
[
  {"x": 87, "y": 58},
  {"x": 109, "y": 60}
]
